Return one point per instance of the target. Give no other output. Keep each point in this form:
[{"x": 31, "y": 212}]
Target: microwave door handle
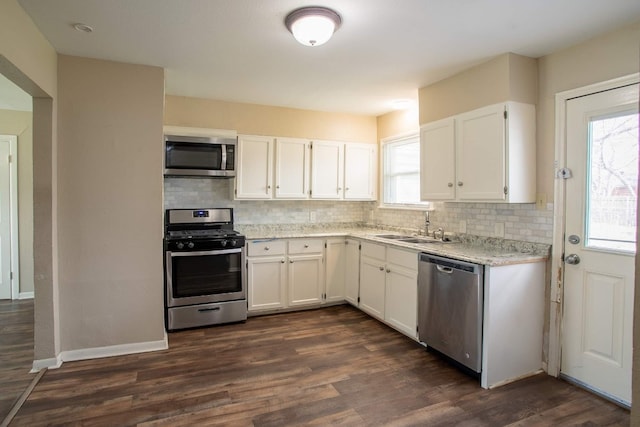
[{"x": 223, "y": 166}]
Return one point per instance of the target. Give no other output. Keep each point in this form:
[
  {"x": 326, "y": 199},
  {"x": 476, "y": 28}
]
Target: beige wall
[
  {"x": 28, "y": 60},
  {"x": 266, "y": 120},
  {"x": 397, "y": 123},
  {"x": 20, "y": 123},
  {"x": 110, "y": 203},
  {"x": 508, "y": 77},
  {"x": 603, "y": 58}
]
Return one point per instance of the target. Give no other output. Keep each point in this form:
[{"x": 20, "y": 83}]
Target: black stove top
[{"x": 201, "y": 229}]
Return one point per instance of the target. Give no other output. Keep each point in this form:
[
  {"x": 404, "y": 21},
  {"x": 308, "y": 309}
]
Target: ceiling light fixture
[
  {"x": 313, "y": 26},
  {"x": 83, "y": 27}
]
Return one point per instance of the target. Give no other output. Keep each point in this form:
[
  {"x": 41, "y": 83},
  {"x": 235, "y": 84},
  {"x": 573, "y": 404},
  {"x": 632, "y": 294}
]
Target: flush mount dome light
[{"x": 313, "y": 26}]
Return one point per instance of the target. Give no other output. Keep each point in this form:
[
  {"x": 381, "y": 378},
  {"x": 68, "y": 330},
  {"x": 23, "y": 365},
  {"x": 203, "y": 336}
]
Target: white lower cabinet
[
  {"x": 352, "y": 273},
  {"x": 284, "y": 273},
  {"x": 401, "y": 306},
  {"x": 372, "y": 279},
  {"x": 335, "y": 269},
  {"x": 389, "y": 286},
  {"x": 266, "y": 275},
  {"x": 305, "y": 272}
]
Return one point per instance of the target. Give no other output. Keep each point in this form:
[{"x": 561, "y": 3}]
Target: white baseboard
[
  {"x": 40, "y": 364},
  {"x": 25, "y": 295},
  {"x": 114, "y": 350},
  {"x": 100, "y": 352}
]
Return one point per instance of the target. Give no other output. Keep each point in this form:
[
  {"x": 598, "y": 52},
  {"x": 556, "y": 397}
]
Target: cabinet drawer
[
  {"x": 373, "y": 250},
  {"x": 269, "y": 248},
  {"x": 407, "y": 259},
  {"x": 305, "y": 246}
]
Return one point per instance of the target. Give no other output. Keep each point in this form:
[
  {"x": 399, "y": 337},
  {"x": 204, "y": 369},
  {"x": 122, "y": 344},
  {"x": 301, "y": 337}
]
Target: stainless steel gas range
[{"x": 204, "y": 279}]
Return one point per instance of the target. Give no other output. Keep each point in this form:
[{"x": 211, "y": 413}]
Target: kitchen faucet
[{"x": 426, "y": 223}]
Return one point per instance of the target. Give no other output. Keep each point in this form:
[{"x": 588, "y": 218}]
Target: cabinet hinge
[
  {"x": 11, "y": 275},
  {"x": 311, "y": 145},
  {"x": 309, "y": 193},
  {"x": 10, "y": 158},
  {"x": 358, "y": 299},
  {"x": 325, "y": 245},
  {"x": 235, "y": 191},
  {"x": 246, "y": 265},
  {"x": 505, "y": 114},
  {"x": 506, "y": 190},
  {"x": 360, "y": 246}
]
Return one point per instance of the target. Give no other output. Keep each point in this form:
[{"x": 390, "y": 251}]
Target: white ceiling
[{"x": 240, "y": 50}]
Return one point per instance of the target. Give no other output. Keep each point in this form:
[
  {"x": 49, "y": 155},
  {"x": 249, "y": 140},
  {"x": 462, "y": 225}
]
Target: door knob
[{"x": 572, "y": 259}]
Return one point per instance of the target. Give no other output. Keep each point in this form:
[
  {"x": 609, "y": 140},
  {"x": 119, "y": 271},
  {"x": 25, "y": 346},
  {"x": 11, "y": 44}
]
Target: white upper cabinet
[
  {"x": 343, "y": 171},
  {"x": 359, "y": 171},
  {"x": 327, "y": 170},
  {"x": 255, "y": 167},
  {"x": 437, "y": 160},
  {"x": 482, "y": 155},
  {"x": 292, "y": 168}
]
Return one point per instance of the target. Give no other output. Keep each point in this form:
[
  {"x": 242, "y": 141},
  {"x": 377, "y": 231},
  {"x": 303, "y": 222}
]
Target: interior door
[
  {"x": 599, "y": 245},
  {"x": 5, "y": 218}
]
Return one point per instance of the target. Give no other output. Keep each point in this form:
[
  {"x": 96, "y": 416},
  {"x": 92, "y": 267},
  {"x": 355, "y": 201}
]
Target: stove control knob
[
  {"x": 180, "y": 245},
  {"x": 190, "y": 245},
  {"x": 233, "y": 242},
  {"x": 223, "y": 243}
]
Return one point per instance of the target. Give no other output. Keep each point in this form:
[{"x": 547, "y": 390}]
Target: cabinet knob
[
  {"x": 347, "y": 189},
  {"x": 290, "y": 261},
  {"x": 306, "y": 246},
  {"x": 277, "y": 186},
  {"x": 388, "y": 270},
  {"x": 450, "y": 184},
  {"x": 281, "y": 261},
  {"x": 266, "y": 248},
  {"x": 459, "y": 183},
  {"x": 381, "y": 268},
  {"x": 339, "y": 188},
  {"x": 268, "y": 187}
]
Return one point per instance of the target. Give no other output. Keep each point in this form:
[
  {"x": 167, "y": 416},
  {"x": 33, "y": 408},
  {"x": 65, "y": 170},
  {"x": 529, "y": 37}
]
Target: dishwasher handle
[{"x": 443, "y": 269}]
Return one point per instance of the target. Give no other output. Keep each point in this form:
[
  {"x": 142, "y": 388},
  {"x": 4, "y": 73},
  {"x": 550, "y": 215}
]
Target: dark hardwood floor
[
  {"x": 16, "y": 351},
  {"x": 330, "y": 366}
]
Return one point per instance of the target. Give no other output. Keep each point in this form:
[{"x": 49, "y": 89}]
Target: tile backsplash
[{"x": 510, "y": 221}]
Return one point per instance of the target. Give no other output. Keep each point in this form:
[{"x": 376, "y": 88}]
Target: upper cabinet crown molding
[{"x": 485, "y": 155}]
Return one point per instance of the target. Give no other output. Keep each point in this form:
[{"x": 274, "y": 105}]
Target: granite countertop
[{"x": 464, "y": 247}]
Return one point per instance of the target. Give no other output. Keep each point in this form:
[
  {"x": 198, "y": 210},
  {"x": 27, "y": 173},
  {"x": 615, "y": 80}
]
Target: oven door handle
[{"x": 201, "y": 253}]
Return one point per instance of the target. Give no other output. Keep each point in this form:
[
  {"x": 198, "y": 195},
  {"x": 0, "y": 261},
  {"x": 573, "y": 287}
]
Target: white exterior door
[
  {"x": 6, "y": 181},
  {"x": 599, "y": 245}
]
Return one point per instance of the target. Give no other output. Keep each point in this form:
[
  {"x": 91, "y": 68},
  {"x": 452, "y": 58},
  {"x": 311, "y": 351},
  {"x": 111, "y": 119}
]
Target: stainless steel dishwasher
[{"x": 450, "y": 295}]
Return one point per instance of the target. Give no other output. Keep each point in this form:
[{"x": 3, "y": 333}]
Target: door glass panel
[{"x": 612, "y": 177}]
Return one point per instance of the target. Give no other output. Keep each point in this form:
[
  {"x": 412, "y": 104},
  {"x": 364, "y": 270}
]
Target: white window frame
[{"x": 413, "y": 135}]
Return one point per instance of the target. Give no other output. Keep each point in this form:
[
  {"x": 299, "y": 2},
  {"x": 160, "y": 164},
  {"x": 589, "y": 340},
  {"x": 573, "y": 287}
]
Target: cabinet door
[
  {"x": 359, "y": 171},
  {"x": 327, "y": 170},
  {"x": 335, "y": 269},
  {"x": 352, "y": 273},
  {"x": 255, "y": 171},
  {"x": 372, "y": 284},
  {"x": 306, "y": 280},
  {"x": 266, "y": 283},
  {"x": 437, "y": 160},
  {"x": 292, "y": 168},
  {"x": 481, "y": 151},
  {"x": 401, "y": 299}
]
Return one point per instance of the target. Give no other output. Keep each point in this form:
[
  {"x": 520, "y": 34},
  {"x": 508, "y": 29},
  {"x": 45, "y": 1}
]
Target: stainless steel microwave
[{"x": 200, "y": 156}]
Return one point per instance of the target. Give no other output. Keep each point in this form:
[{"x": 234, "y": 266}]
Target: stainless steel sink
[
  {"x": 391, "y": 236},
  {"x": 419, "y": 240}
]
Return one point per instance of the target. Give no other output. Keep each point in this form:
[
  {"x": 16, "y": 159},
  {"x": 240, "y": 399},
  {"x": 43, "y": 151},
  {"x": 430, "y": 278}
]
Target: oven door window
[
  {"x": 185, "y": 155},
  {"x": 211, "y": 274}
]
